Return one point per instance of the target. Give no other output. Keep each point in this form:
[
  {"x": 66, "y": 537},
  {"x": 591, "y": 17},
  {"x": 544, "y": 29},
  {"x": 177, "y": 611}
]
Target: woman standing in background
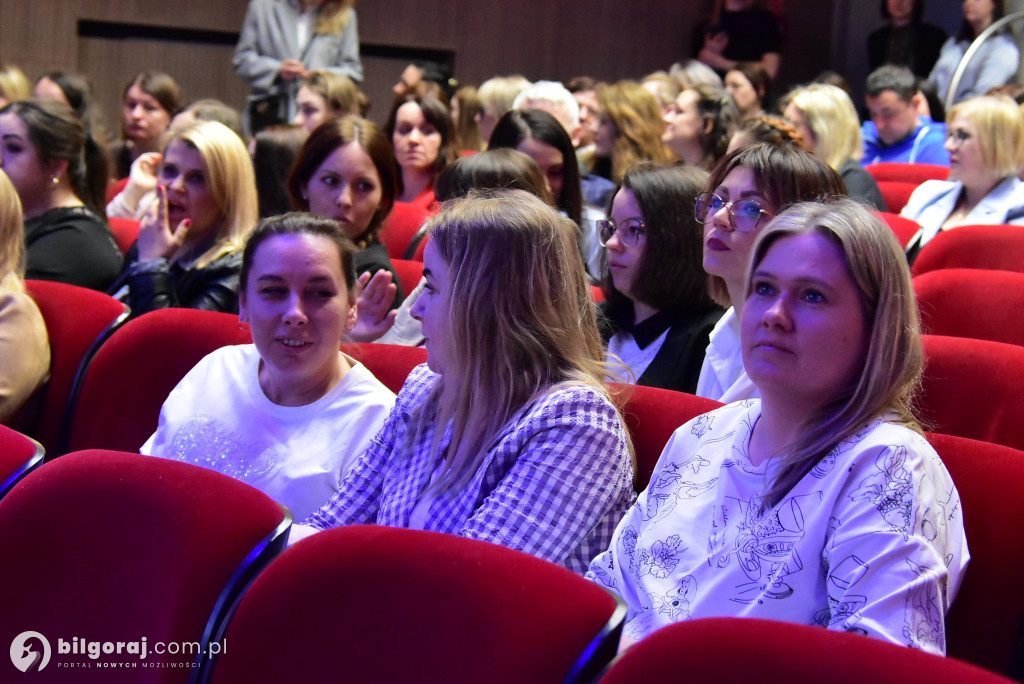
[{"x": 281, "y": 41}]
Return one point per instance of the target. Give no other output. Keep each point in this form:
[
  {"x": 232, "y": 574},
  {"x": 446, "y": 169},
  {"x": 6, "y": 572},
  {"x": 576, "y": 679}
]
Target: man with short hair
[{"x": 896, "y": 132}]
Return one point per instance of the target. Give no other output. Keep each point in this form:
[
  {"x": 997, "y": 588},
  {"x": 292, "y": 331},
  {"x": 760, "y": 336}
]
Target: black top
[
  {"x": 752, "y": 33},
  {"x": 120, "y": 152},
  {"x": 861, "y": 185},
  {"x": 915, "y": 46},
  {"x": 213, "y": 288},
  {"x": 677, "y": 364},
  {"x": 72, "y": 245},
  {"x": 374, "y": 257}
]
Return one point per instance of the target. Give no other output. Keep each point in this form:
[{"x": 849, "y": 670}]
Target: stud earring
[{"x": 55, "y": 180}]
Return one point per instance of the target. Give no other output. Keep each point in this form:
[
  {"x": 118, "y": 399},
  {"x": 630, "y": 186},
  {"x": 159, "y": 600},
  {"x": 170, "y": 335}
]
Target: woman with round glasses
[
  {"x": 985, "y": 139},
  {"x": 747, "y": 188},
  {"x": 657, "y": 315}
]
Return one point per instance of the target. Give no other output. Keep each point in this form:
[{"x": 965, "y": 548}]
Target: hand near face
[
  {"x": 373, "y": 301},
  {"x": 292, "y": 69},
  {"x": 156, "y": 239},
  {"x": 142, "y": 178}
]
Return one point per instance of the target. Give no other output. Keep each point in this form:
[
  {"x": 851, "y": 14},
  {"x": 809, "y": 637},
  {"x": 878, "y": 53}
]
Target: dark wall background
[{"x": 110, "y": 40}]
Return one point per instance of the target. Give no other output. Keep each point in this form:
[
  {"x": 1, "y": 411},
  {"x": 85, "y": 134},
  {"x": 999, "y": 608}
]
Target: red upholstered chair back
[
  {"x": 390, "y": 606},
  {"x": 896, "y": 194},
  {"x": 390, "y": 363},
  {"x": 409, "y": 273},
  {"x": 400, "y": 227},
  {"x": 78, "y": 320},
  {"x": 126, "y": 232},
  {"x": 907, "y": 173},
  {"x": 421, "y": 247},
  {"x": 903, "y": 228},
  {"x": 652, "y": 415},
  {"x": 115, "y": 188},
  {"x": 984, "y": 624},
  {"x": 966, "y": 302},
  {"x": 999, "y": 247},
  {"x": 972, "y": 388},
  {"x": 733, "y": 650},
  {"x": 19, "y": 455},
  {"x": 114, "y": 547},
  {"x": 131, "y": 376}
]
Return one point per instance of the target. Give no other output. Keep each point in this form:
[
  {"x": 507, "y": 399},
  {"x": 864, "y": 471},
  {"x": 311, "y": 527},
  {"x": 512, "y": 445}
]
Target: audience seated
[
  {"x": 746, "y": 189},
  {"x": 994, "y": 64},
  {"x": 821, "y": 503},
  {"x": 543, "y": 465},
  {"x": 986, "y": 146},
  {"x": 747, "y": 84},
  {"x": 497, "y": 96},
  {"x": 466, "y": 110},
  {"x": 699, "y": 124},
  {"x": 905, "y": 40},
  {"x": 826, "y": 118},
  {"x": 346, "y": 171},
  {"x": 896, "y": 133},
  {"x": 150, "y": 101},
  {"x": 322, "y": 95},
  {"x": 657, "y": 315},
  {"x": 24, "y": 348},
  {"x": 288, "y": 414},
  {"x": 60, "y": 174},
  {"x": 190, "y": 242},
  {"x": 629, "y": 131},
  {"x": 421, "y": 131}
]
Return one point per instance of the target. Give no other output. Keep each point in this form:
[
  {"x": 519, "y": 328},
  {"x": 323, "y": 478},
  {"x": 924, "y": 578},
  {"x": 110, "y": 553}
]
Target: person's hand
[
  {"x": 156, "y": 239},
  {"x": 142, "y": 178},
  {"x": 292, "y": 69},
  {"x": 374, "y": 296},
  {"x": 716, "y": 42}
]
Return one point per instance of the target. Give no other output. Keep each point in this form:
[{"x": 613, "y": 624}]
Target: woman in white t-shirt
[
  {"x": 290, "y": 413},
  {"x": 820, "y": 503}
]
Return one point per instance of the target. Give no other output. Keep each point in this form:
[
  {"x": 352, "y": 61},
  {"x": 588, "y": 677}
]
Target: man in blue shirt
[{"x": 896, "y": 133}]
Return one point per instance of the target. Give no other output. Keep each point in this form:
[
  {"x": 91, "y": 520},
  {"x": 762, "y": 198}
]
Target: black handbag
[{"x": 268, "y": 110}]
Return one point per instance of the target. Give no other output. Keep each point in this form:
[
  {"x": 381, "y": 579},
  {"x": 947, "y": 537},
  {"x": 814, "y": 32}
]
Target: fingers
[{"x": 181, "y": 232}]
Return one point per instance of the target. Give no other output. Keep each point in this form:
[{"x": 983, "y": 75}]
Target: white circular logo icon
[{"x": 30, "y": 651}]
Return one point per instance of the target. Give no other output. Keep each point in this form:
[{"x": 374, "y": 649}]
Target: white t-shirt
[
  {"x": 219, "y": 418},
  {"x": 871, "y": 540},
  {"x": 722, "y": 376}
]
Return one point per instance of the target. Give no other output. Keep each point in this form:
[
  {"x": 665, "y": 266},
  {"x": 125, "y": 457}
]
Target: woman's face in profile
[
  {"x": 742, "y": 92},
  {"x": 550, "y": 161},
  {"x": 298, "y": 308},
  {"x": 21, "y": 162},
  {"x": 803, "y": 328},
  {"x": 311, "y": 109}
]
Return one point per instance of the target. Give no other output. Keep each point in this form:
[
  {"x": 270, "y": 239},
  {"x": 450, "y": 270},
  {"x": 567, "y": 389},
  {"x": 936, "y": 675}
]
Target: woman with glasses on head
[
  {"x": 657, "y": 315},
  {"x": 746, "y": 189},
  {"x": 985, "y": 139}
]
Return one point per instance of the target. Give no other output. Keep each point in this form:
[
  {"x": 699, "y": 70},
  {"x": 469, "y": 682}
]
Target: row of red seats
[{"x": 111, "y": 547}]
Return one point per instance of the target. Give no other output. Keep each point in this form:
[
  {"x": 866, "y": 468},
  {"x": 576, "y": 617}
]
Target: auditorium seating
[
  {"x": 19, "y": 455},
  {"x": 999, "y": 247},
  {"x": 967, "y": 302},
  {"x": 388, "y": 605}
]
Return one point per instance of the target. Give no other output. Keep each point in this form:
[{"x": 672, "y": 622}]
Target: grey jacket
[{"x": 270, "y": 36}]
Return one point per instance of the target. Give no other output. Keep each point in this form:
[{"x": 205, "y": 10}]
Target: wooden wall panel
[{"x": 609, "y": 39}]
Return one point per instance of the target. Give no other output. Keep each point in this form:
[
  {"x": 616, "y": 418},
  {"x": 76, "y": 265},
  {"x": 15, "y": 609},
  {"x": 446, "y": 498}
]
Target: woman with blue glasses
[
  {"x": 657, "y": 315},
  {"x": 747, "y": 188}
]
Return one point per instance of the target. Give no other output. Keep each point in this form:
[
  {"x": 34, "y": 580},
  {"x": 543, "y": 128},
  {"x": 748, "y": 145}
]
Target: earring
[{"x": 55, "y": 180}]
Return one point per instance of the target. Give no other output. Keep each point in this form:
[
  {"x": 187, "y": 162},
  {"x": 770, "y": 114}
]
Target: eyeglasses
[
  {"x": 744, "y": 214},
  {"x": 629, "y": 231},
  {"x": 957, "y": 137}
]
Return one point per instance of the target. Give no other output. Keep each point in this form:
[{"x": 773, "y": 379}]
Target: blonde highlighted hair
[
  {"x": 833, "y": 119},
  {"x": 1000, "y": 129},
  {"x": 520, "y": 321},
  {"x": 229, "y": 176},
  {"x": 333, "y": 17},
  {"x": 637, "y": 118},
  {"x": 12, "y": 238},
  {"x": 893, "y": 359}
]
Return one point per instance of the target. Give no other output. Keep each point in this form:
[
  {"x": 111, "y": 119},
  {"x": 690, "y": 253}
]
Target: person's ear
[
  {"x": 353, "y": 316},
  {"x": 58, "y": 169},
  {"x": 243, "y": 315}
]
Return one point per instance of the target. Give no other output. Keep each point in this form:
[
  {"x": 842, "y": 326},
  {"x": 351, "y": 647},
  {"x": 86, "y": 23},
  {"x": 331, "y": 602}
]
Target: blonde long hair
[
  {"x": 833, "y": 119},
  {"x": 638, "y": 122},
  {"x": 521, "y": 319},
  {"x": 894, "y": 357},
  {"x": 12, "y": 238},
  {"x": 333, "y": 17},
  {"x": 230, "y": 178}
]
